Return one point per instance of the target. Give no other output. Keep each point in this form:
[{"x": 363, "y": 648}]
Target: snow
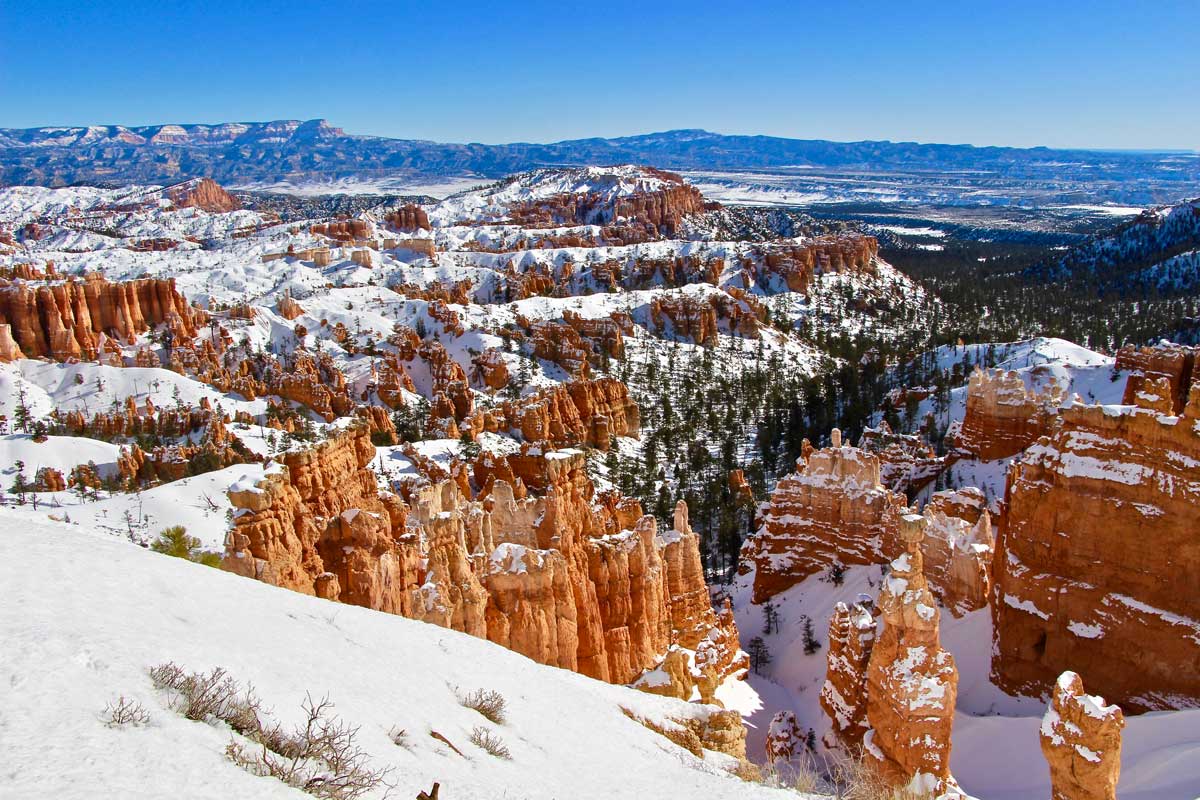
[{"x": 86, "y": 615}]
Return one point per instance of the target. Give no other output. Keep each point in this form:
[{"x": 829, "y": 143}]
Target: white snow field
[
  {"x": 85, "y": 615},
  {"x": 995, "y": 754}
]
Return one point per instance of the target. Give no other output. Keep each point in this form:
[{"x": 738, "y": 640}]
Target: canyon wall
[
  {"x": 1003, "y": 416},
  {"x": 1098, "y": 560},
  {"x": 588, "y": 586},
  {"x": 69, "y": 320}
]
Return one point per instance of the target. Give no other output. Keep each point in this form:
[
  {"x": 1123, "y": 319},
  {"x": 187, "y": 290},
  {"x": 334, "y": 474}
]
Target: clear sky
[{"x": 1053, "y": 72}]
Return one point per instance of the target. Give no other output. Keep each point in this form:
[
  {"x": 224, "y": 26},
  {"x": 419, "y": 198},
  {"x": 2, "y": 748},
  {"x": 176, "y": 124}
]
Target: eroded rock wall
[{"x": 1098, "y": 560}]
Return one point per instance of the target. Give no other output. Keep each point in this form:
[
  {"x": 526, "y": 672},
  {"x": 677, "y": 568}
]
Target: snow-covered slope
[{"x": 85, "y": 615}]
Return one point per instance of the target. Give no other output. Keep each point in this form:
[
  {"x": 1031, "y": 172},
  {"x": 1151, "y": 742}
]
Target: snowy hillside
[{"x": 86, "y": 616}]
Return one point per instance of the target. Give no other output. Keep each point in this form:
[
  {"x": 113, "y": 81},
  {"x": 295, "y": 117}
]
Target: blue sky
[{"x": 1094, "y": 74}]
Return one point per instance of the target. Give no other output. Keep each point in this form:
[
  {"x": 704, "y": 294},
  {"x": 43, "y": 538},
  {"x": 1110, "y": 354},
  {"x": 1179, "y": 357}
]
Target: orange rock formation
[
  {"x": 1098, "y": 560},
  {"x": 1003, "y": 416},
  {"x": 1081, "y": 740}
]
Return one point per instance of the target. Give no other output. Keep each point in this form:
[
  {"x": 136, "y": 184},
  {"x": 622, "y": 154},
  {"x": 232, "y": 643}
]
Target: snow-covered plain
[{"x": 86, "y": 615}]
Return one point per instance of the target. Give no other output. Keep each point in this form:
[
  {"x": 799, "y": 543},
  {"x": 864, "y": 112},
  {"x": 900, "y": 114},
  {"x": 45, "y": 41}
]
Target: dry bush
[
  {"x": 678, "y": 731},
  {"x": 214, "y": 695},
  {"x": 488, "y": 703},
  {"x": 800, "y": 776},
  {"x": 399, "y": 737},
  {"x": 319, "y": 757},
  {"x": 122, "y": 712},
  {"x": 856, "y": 779},
  {"x": 484, "y": 739}
]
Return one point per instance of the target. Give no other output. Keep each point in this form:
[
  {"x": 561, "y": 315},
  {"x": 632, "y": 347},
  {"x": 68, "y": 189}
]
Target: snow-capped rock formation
[
  {"x": 1003, "y": 415},
  {"x": 1081, "y": 739},
  {"x": 958, "y": 549},
  {"x": 844, "y": 693},
  {"x": 1096, "y": 563},
  {"x": 907, "y": 462},
  {"x": 912, "y": 682},
  {"x": 557, "y": 578},
  {"x": 70, "y": 319},
  {"x": 832, "y": 509}
]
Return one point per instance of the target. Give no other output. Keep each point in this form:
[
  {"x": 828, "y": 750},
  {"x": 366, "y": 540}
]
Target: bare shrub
[
  {"x": 484, "y": 739},
  {"x": 487, "y": 702},
  {"x": 856, "y": 779},
  {"x": 399, "y": 737},
  {"x": 204, "y": 696},
  {"x": 122, "y": 712},
  {"x": 319, "y": 757}
]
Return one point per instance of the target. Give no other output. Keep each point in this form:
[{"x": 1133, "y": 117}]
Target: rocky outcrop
[
  {"x": 907, "y": 463},
  {"x": 1081, "y": 740},
  {"x": 958, "y": 549},
  {"x": 638, "y": 216},
  {"x": 579, "y": 412},
  {"x": 912, "y": 683},
  {"x": 844, "y": 693},
  {"x": 689, "y": 318},
  {"x": 9, "y": 349},
  {"x": 784, "y": 741},
  {"x": 1003, "y": 416},
  {"x": 288, "y": 308},
  {"x": 1098, "y": 560},
  {"x": 795, "y": 263},
  {"x": 408, "y": 218},
  {"x": 68, "y": 320},
  {"x": 204, "y": 194},
  {"x": 591, "y": 587},
  {"x": 1148, "y": 365},
  {"x": 832, "y": 509}
]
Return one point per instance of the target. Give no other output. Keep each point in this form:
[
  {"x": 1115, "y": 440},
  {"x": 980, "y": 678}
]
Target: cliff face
[
  {"x": 591, "y": 587},
  {"x": 68, "y": 320},
  {"x": 796, "y": 264},
  {"x": 833, "y": 508},
  {"x": 1003, "y": 416},
  {"x": 1081, "y": 740},
  {"x": 579, "y": 412},
  {"x": 1098, "y": 560},
  {"x": 912, "y": 683}
]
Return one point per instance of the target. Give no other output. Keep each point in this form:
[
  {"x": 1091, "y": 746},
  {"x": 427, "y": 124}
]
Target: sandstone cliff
[
  {"x": 1081, "y": 739},
  {"x": 958, "y": 549},
  {"x": 832, "y": 509},
  {"x": 591, "y": 587},
  {"x": 205, "y": 194},
  {"x": 1098, "y": 560},
  {"x": 1003, "y": 416},
  {"x": 70, "y": 319}
]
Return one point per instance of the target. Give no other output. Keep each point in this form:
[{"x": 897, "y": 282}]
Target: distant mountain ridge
[{"x": 297, "y": 151}]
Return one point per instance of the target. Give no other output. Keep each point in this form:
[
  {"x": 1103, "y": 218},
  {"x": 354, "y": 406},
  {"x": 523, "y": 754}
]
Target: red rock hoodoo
[
  {"x": 1003, "y": 416},
  {"x": 1081, "y": 740},
  {"x": 205, "y": 194}
]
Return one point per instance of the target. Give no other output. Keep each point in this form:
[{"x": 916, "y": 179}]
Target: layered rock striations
[
  {"x": 912, "y": 683},
  {"x": 1081, "y": 740},
  {"x": 204, "y": 194},
  {"x": 1003, "y": 416},
  {"x": 1149, "y": 365},
  {"x": 70, "y": 319},
  {"x": 1098, "y": 560},
  {"x": 588, "y": 586},
  {"x": 907, "y": 463},
  {"x": 832, "y": 509}
]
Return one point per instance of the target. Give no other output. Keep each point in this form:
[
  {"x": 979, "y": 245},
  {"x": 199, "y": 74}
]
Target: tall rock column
[
  {"x": 1081, "y": 739},
  {"x": 912, "y": 683},
  {"x": 844, "y": 694}
]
